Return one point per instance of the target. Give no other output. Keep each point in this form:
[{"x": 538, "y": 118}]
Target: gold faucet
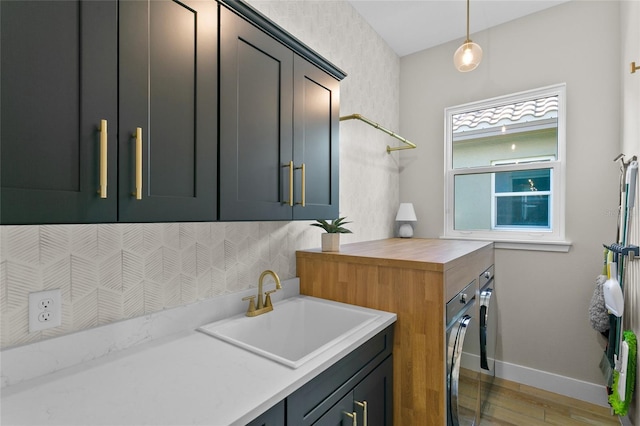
[{"x": 265, "y": 306}]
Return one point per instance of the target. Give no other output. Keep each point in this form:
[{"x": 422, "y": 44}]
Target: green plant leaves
[{"x": 335, "y": 227}]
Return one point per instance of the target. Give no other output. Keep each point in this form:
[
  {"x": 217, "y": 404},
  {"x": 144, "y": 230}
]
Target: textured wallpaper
[{"x": 118, "y": 271}]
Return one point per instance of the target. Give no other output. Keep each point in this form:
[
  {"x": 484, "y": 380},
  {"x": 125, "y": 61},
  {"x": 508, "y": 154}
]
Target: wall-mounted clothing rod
[{"x": 410, "y": 145}]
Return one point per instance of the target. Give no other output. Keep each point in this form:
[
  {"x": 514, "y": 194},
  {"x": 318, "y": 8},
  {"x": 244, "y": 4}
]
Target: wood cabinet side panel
[{"x": 416, "y": 297}]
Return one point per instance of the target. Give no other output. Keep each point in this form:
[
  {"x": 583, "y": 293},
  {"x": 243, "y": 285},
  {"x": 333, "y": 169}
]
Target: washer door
[
  {"x": 488, "y": 340},
  {"x": 488, "y": 323},
  {"x": 462, "y": 384}
]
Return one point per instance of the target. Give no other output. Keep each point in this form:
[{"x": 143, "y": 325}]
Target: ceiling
[{"x": 409, "y": 26}]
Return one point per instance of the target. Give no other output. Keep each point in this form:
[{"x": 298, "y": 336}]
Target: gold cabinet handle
[
  {"x": 138, "y": 136},
  {"x": 362, "y": 405},
  {"x": 290, "y": 166},
  {"x": 354, "y": 418},
  {"x": 303, "y": 184},
  {"x": 103, "y": 159}
]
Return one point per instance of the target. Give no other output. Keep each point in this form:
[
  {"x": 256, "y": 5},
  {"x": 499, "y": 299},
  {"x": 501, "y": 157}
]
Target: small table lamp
[{"x": 406, "y": 214}]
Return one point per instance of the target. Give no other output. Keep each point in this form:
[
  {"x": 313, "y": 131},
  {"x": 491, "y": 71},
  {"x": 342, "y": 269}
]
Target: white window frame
[{"x": 553, "y": 239}]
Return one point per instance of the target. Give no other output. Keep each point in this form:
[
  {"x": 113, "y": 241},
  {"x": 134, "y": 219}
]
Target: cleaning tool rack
[
  {"x": 631, "y": 251},
  {"x": 618, "y": 363}
]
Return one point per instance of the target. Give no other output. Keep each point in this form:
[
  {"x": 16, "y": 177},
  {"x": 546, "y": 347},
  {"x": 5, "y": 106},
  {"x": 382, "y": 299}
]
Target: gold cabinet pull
[
  {"x": 290, "y": 166},
  {"x": 303, "y": 184},
  {"x": 354, "y": 418},
  {"x": 103, "y": 159},
  {"x": 138, "y": 136},
  {"x": 362, "y": 405}
]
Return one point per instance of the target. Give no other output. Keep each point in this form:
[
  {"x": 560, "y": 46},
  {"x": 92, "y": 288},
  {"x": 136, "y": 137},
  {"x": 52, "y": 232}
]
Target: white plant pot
[{"x": 330, "y": 242}]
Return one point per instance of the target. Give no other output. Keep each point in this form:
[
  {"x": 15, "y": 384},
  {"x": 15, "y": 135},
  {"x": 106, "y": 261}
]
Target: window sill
[{"x": 552, "y": 246}]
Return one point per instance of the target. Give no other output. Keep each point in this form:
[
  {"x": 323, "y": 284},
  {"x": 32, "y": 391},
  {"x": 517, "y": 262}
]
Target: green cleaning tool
[{"x": 625, "y": 379}]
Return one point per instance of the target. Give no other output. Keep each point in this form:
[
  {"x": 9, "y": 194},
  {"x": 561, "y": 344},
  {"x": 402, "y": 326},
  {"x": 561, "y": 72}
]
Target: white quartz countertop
[{"x": 185, "y": 378}]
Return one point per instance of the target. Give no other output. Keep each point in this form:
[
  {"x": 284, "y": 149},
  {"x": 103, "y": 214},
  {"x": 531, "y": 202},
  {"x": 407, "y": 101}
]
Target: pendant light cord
[{"x": 467, "y": 41}]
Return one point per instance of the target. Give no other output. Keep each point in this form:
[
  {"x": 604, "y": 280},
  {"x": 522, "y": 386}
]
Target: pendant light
[{"x": 469, "y": 54}]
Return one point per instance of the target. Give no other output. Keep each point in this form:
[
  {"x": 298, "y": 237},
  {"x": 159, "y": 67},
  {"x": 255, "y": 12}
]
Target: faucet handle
[
  {"x": 252, "y": 303},
  {"x": 267, "y": 300}
]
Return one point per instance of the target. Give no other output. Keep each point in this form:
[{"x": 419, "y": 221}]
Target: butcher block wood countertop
[
  {"x": 413, "y": 278},
  {"x": 418, "y": 253},
  {"x": 444, "y": 256}
]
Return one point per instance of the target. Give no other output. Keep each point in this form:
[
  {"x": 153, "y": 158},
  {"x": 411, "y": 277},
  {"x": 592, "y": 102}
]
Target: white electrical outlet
[{"x": 45, "y": 310}]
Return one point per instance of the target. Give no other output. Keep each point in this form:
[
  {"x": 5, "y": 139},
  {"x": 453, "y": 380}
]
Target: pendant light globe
[{"x": 467, "y": 57}]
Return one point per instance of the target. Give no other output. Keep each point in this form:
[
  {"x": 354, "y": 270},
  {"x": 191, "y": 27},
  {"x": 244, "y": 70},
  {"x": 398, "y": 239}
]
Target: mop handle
[{"x": 631, "y": 180}]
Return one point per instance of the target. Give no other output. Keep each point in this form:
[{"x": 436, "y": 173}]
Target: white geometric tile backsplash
[{"x": 111, "y": 272}]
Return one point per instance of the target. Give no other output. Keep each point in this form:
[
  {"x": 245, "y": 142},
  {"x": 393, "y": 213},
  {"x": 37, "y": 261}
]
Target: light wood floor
[{"x": 511, "y": 403}]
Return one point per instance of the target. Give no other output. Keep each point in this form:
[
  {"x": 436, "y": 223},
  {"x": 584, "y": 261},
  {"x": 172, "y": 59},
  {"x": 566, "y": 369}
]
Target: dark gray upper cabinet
[
  {"x": 149, "y": 70},
  {"x": 68, "y": 65},
  {"x": 59, "y": 80},
  {"x": 168, "y": 90},
  {"x": 315, "y": 123},
  {"x": 278, "y": 126},
  {"x": 256, "y": 101}
]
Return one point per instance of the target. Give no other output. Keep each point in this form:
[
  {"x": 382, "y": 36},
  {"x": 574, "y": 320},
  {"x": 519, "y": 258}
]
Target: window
[{"x": 505, "y": 168}]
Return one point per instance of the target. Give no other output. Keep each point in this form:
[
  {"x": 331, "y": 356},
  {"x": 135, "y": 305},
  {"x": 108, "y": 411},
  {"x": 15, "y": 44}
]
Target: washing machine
[
  {"x": 488, "y": 329},
  {"x": 462, "y": 383}
]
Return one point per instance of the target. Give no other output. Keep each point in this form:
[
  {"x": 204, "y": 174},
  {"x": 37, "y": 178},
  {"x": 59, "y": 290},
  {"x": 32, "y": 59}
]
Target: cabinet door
[
  {"x": 168, "y": 89},
  {"x": 256, "y": 98},
  {"x": 316, "y": 132},
  {"x": 341, "y": 414},
  {"x": 272, "y": 417},
  {"x": 376, "y": 390},
  {"x": 59, "y": 80}
]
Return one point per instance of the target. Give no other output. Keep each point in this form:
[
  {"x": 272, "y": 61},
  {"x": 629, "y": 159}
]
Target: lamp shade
[{"x": 406, "y": 213}]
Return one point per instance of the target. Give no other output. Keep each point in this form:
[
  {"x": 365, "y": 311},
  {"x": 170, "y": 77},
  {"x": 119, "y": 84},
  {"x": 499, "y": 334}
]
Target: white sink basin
[{"x": 297, "y": 329}]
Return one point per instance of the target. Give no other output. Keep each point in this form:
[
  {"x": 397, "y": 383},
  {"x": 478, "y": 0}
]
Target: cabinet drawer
[{"x": 309, "y": 403}]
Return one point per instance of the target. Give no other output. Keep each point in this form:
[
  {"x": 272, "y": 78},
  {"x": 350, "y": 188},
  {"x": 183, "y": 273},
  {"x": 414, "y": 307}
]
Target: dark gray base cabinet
[
  {"x": 273, "y": 417},
  {"x": 371, "y": 399},
  {"x": 338, "y": 396}
]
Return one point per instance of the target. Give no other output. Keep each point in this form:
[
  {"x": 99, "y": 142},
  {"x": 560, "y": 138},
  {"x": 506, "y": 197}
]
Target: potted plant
[{"x": 331, "y": 239}]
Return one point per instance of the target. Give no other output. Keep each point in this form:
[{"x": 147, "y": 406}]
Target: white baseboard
[{"x": 574, "y": 388}]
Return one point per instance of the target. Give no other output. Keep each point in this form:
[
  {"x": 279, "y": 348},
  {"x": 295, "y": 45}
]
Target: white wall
[
  {"x": 630, "y": 49},
  {"x": 111, "y": 272},
  {"x": 543, "y": 296}
]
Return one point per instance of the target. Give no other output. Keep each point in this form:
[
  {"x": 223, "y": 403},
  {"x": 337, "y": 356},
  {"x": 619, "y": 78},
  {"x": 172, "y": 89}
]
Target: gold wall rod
[{"x": 410, "y": 145}]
